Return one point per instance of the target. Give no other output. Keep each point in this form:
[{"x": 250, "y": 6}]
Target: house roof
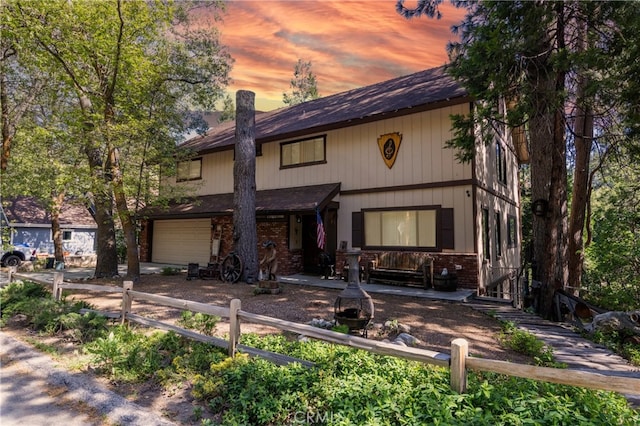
[
  {"x": 27, "y": 211},
  {"x": 421, "y": 91},
  {"x": 272, "y": 201}
]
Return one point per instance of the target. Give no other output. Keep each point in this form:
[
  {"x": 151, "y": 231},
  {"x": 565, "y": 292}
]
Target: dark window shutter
[
  {"x": 446, "y": 228},
  {"x": 356, "y": 229}
]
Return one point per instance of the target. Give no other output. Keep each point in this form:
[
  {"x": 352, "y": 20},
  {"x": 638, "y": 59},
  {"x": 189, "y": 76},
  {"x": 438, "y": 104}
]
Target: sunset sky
[{"x": 350, "y": 43}]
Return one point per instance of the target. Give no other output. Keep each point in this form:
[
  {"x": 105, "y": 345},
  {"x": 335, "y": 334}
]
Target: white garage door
[{"x": 181, "y": 241}]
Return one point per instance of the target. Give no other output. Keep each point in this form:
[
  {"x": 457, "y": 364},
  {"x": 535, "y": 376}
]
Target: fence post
[
  {"x": 12, "y": 272},
  {"x": 234, "y": 326},
  {"x": 126, "y": 300},
  {"x": 58, "y": 277},
  {"x": 458, "y": 373}
]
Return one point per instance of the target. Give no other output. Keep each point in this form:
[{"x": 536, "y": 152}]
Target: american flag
[{"x": 320, "y": 231}]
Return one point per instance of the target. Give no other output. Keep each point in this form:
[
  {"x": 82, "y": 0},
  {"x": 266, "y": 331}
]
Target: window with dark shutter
[
  {"x": 446, "y": 228},
  {"x": 356, "y": 229}
]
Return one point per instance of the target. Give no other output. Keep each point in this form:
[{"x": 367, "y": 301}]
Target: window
[
  {"x": 67, "y": 235},
  {"x": 498, "y": 236},
  {"x": 400, "y": 228},
  {"x": 303, "y": 152},
  {"x": 486, "y": 243},
  {"x": 512, "y": 232},
  {"x": 501, "y": 163},
  {"x": 189, "y": 170}
]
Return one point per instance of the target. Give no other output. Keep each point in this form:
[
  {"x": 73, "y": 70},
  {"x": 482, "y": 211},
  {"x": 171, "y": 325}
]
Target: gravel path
[{"x": 36, "y": 392}]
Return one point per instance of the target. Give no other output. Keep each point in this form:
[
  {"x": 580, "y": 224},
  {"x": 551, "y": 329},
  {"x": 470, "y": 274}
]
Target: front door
[
  {"x": 311, "y": 252},
  {"x": 310, "y": 249}
]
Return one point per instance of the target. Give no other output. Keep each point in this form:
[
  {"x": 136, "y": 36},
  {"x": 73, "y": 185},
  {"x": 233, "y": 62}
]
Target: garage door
[{"x": 181, "y": 241}]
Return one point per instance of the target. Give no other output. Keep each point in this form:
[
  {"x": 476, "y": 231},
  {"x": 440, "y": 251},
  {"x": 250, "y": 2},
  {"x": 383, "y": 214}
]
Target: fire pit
[{"x": 354, "y": 307}]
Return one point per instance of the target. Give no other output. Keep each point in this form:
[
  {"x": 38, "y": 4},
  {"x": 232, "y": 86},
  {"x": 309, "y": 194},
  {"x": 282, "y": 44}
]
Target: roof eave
[{"x": 346, "y": 123}]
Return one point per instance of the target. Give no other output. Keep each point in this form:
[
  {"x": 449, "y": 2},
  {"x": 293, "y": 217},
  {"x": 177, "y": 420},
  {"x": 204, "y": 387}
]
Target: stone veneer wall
[{"x": 289, "y": 261}]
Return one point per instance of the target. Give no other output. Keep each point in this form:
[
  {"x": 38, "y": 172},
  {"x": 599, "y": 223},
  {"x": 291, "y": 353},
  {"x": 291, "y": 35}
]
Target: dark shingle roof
[
  {"x": 413, "y": 93},
  {"x": 27, "y": 210},
  {"x": 271, "y": 201}
]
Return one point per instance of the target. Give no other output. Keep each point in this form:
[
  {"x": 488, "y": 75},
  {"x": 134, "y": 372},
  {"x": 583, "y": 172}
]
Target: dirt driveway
[{"x": 434, "y": 323}]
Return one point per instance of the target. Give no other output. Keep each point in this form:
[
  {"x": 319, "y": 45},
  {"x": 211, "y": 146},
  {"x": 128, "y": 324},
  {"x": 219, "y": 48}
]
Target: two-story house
[{"x": 373, "y": 162}]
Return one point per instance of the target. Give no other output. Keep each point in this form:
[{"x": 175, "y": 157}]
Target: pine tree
[{"x": 303, "y": 85}]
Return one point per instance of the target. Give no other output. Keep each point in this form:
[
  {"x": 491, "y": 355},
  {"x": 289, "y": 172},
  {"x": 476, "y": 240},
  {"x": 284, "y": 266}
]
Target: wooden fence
[{"x": 458, "y": 361}]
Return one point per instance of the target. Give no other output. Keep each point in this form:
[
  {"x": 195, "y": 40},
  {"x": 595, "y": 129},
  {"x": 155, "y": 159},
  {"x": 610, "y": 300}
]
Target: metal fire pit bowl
[{"x": 351, "y": 318}]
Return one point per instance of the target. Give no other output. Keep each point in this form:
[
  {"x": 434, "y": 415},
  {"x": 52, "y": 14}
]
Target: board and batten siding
[
  {"x": 353, "y": 158},
  {"x": 501, "y": 199},
  {"x": 181, "y": 241}
]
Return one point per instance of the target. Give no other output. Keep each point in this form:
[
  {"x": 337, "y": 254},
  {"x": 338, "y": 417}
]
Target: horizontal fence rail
[
  {"x": 616, "y": 381},
  {"x": 458, "y": 362},
  {"x": 382, "y": 348}
]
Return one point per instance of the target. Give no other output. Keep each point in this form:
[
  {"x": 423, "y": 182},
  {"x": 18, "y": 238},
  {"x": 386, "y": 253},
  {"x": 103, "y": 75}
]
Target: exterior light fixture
[{"x": 540, "y": 207}]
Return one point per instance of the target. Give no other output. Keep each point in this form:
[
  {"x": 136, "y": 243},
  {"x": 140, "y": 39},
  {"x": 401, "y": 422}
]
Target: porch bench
[{"x": 401, "y": 268}]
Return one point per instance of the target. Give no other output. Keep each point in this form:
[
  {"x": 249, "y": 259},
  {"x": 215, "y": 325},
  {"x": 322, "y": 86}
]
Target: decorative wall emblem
[{"x": 389, "y": 145}]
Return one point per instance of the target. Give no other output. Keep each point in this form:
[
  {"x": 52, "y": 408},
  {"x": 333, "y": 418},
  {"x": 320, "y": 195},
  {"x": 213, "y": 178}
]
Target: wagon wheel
[{"x": 231, "y": 268}]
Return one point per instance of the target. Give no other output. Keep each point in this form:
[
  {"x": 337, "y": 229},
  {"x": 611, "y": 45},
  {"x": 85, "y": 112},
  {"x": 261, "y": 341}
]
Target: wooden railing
[{"x": 458, "y": 361}]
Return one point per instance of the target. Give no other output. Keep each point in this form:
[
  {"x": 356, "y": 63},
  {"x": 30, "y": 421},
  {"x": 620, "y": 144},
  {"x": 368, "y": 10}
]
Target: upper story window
[
  {"x": 303, "y": 152},
  {"x": 189, "y": 170},
  {"x": 501, "y": 163}
]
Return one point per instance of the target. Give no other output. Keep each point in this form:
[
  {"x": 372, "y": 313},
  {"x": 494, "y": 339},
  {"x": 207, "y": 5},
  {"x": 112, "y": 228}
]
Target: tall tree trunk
[
  {"x": 56, "y": 233},
  {"x": 128, "y": 225},
  {"x": 107, "y": 257},
  {"x": 549, "y": 176},
  {"x": 245, "y": 234},
  {"x": 583, "y": 141},
  {"x": 6, "y": 126},
  {"x": 580, "y": 197}
]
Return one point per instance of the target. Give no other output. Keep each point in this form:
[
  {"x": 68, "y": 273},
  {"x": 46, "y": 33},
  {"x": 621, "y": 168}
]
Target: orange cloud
[{"x": 349, "y": 43}]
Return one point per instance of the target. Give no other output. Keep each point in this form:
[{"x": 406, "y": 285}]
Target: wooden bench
[{"x": 403, "y": 268}]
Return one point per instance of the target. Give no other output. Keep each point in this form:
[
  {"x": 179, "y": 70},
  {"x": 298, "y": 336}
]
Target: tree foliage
[
  {"x": 613, "y": 257},
  {"x": 551, "y": 62},
  {"x": 228, "y": 112},
  {"x": 304, "y": 86},
  {"x": 131, "y": 71}
]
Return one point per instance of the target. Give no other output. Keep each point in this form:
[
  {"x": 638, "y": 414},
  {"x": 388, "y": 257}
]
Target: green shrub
[
  {"x": 18, "y": 295},
  {"x": 45, "y": 314},
  {"x": 168, "y": 271},
  {"x": 127, "y": 355},
  {"x": 342, "y": 328},
  {"x": 617, "y": 341},
  {"x": 527, "y": 343},
  {"x": 631, "y": 352},
  {"x": 83, "y": 328},
  {"x": 613, "y": 296},
  {"x": 202, "y": 323}
]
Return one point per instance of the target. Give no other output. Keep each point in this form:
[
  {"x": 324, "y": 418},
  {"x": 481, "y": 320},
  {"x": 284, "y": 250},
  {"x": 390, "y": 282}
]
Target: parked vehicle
[{"x": 16, "y": 255}]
